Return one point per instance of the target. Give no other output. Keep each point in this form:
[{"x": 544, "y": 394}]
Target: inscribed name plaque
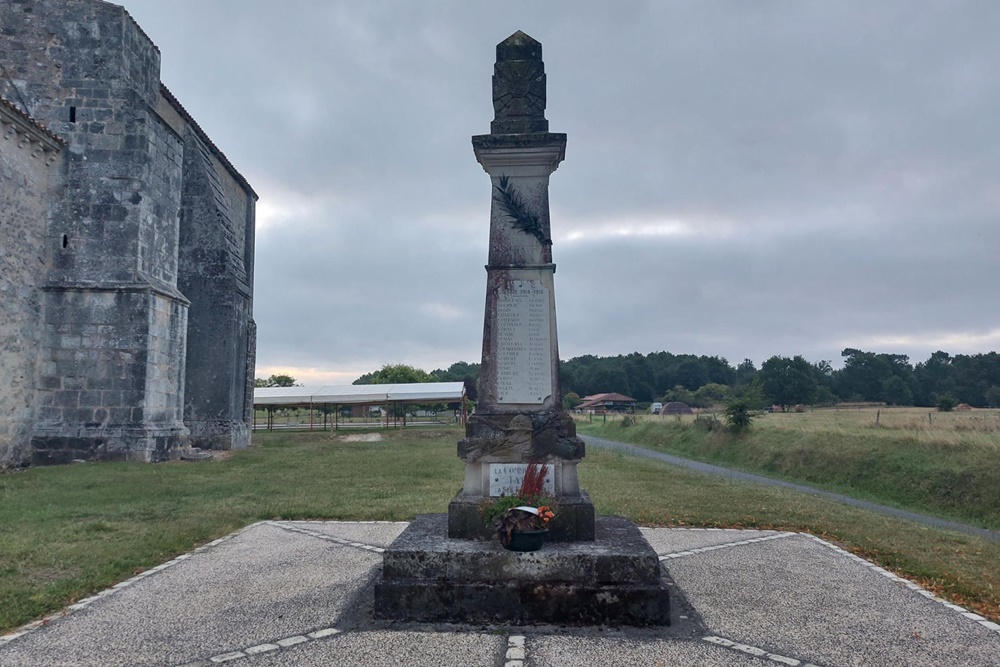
[
  {"x": 523, "y": 343},
  {"x": 506, "y": 478}
]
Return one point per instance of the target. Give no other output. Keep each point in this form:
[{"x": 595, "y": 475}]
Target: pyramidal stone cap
[
  {"x": 519, "y": 87},
  {"x": 519, "y": 46}
]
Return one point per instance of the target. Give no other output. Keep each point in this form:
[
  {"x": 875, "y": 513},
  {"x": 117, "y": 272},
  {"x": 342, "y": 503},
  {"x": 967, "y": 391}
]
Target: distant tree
[
  {"x": 993, "y": 396},
  {"x": 896, "y": 392},
  {"x": 641, "y": 378},
  {"x": 282, "y": 381},
  {"x": 718, "y": 370},
  {"x": 824, "y": 396},
  {"x": 691, "y": 373},
  {"x": 610, "y": 377},
  {"x": 933, "y": 378},
  {"x": 571, "y": 400},
  {"x": 973, "y": 375},
  {"x": 574, "y": 373},
  {"x": 711, "y": 394},
  {"x": 460, "y": 371},
  {"x": 457, "y": 372},
  {"x": 679, "y": 394},
  {"x": 275, "y": 381},
  {"x": 787, "y": 381},
  {"x": 946, "y": 403},
  {"x": 823, "y": 368},
  {"x": 745, "y": 373},
  {"x": 826, "y": 381},
  {"x": 865, "y": 374},
  {"x": 395, "y": 374}
]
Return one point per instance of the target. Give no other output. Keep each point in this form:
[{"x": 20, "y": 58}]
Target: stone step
[
  {"x": 615, "y": 579},
  {"x": 619, "y": 554},
  {"x": 522, "y": 603}
]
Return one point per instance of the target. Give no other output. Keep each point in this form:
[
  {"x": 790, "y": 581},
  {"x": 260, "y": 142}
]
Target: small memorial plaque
[
  {"x": 506, "y": 478},
  {"x": 523, "y": 343}
]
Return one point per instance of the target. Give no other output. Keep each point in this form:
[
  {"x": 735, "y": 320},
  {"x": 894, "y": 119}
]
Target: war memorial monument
[{"x": 594, "y": 570}]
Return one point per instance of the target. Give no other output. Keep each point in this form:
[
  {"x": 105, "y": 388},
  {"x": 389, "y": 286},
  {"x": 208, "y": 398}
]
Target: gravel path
[{"x": 709, "y": 469}]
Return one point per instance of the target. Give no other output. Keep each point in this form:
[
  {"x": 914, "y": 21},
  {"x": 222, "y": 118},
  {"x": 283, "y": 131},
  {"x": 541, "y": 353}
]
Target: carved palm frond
[{"x": 514, "y": 208}]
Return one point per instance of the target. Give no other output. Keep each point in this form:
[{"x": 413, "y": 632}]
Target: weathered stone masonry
[
  {"x": 29, "y": 172},
  {"x": 135, "y": 250}
]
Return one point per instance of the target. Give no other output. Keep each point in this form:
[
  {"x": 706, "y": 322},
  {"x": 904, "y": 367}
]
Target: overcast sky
[{"x": 742, "y": 179}]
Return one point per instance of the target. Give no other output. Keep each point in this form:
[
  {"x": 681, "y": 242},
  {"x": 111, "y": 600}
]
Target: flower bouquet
[{"x": 521, "y": 521}]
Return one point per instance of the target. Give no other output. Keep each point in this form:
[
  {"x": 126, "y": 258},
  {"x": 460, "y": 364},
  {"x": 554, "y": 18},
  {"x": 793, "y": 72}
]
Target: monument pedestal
[
  {"x": 613, "y": 580},
  {"x": 494, "y": 450}
]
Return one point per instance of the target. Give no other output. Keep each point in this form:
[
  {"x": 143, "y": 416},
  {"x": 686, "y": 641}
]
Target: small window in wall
[
  {"x": 72, "y": 114},
  {"x": 65, "y": 240}
]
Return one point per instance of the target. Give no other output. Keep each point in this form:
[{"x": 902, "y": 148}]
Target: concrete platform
[
  {"x": 300, "y": 593},
  {"x": 614, "y": 578}
]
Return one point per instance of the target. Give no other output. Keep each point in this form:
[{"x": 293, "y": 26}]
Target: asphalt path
[{"x": 709, "y": 469}]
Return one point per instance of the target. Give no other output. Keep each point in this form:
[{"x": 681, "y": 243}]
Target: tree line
[
  {"x": 701, "y": 381},
  {"x": 459, "y": 371},
  {"x": 865, "y": 377}
]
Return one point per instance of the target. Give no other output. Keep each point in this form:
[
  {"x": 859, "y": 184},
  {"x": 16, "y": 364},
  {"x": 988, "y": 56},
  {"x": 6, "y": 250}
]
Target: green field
[
  {"x": 947, "y": 464},
  {"x": 66, "y": 532}
]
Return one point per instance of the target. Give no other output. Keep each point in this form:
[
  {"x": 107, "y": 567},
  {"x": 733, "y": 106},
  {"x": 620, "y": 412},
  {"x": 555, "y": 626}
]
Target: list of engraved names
[{"x": 524, "y": 368}]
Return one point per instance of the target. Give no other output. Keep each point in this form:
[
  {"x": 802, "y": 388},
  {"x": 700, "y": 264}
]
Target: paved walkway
[
  {"x": 709, "y": 469},
  {"x": 298, "y": 593}
]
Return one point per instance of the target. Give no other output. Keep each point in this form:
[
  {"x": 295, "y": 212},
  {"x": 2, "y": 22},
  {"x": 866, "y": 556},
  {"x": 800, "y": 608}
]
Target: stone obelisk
[
  {"x": 594, "y": 571},
  {"x": 519, "y": 418}
]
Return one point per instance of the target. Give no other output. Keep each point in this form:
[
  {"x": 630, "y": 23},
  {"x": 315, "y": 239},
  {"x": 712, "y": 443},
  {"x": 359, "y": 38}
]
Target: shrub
[
  {"x": 707, "y": 422},
  {"x": 739, "y": 414},
  {"x": 741, "y": 408}
]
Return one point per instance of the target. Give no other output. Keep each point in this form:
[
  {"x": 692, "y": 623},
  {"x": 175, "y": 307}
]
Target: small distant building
[
  {"x": 963, "y": 407},
  {"x": 607, "y": 403},
  {"x": 676, "y": 408}
]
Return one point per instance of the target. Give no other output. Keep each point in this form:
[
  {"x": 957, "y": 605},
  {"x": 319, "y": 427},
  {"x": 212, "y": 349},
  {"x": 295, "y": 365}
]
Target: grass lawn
[
  {"x": 948, "y": 465},
  {"x": 66, "y": 532}
]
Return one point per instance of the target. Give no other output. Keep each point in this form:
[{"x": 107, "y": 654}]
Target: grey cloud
[{"x": 836, "y": 161}]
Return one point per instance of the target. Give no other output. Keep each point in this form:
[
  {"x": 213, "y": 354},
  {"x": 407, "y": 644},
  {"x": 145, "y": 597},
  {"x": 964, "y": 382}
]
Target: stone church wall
[
  {"x": 216, "y": 243},
  {"x": 29, "y": 175},
  {"x": 116, "y": 324}
]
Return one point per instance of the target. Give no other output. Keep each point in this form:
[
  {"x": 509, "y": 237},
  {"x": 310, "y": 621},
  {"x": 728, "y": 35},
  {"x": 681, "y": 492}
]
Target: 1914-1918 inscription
[{"x": 523, "y": 343}]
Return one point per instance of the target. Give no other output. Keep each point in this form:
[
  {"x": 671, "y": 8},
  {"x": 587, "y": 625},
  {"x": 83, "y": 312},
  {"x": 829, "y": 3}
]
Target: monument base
[
  {"x": 613, "y": 580},
  {"x": 575, "y": 521}
]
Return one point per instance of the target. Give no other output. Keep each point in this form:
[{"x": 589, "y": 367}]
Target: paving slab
[
  {"x": 585, "y": 652},
  {"x": 263, "y": 585},
  {"x": 375, "y": 533},
  {"x": 393, "y": 649},
  {"x": 676, "y": 540},
  {"x": 799, "y": 597},
  {"x": 300, "y": 593}
]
